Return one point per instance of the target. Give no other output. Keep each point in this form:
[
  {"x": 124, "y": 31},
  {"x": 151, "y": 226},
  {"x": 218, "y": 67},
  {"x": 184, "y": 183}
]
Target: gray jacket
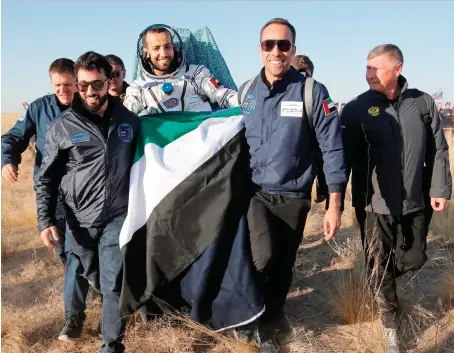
[{"x": 397, "y": 159}]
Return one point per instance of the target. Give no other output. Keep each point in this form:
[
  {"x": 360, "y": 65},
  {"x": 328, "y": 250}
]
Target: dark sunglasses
[
  {"x": 115, "y": 74},
  {"x": 283, "y": 45},
  {"x": 97, "y": 85}
]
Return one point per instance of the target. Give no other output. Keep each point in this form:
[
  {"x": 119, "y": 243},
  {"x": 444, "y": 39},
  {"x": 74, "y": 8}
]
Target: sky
[{"x": 337, "y": 36}]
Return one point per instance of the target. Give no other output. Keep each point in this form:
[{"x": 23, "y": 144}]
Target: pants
[
  {"x": 276, "y": 225},
  {"x": 61, "y": 229},
  {"x": 75, "y": 288},
  {"x": 99, "y": 252},
  {"x": 393, "y": 246}
]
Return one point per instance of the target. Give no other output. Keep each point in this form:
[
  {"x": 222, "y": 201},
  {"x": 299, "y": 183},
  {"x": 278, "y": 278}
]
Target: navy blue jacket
[
  {"x": 282, "y": 145},
  {"x": 34, "y": 122}
]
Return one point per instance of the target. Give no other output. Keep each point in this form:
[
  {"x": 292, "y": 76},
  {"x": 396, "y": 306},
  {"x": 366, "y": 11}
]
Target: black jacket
[
  {"x": 396, "y": 158},
  {"x": 93, "y": 171}
]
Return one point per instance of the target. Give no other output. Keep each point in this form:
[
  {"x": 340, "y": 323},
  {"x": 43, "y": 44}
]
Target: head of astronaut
[{"x": 159, "y": 50}]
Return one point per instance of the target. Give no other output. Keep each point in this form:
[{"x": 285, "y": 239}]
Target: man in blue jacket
[
  {"x": 34, "y": 122},
  {"x": 283, "y": 145}
]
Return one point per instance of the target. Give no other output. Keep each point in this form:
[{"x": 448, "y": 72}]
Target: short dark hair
[
  {"x": 61, "y": 66},
  {"x": 155, "y": 29},
  {"x": 302, "y": 62},
  {"x": 113, "y": 59},
  {"x": 279, "y": 21},
  {"x": 93, "y": 61}
]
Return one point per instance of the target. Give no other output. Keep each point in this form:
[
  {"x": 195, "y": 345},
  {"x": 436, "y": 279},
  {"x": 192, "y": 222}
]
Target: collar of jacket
[
  {"x": 403, "y": 84},
  {"x": 291, "y": 75},
  {"x": 78, "y": 108}
]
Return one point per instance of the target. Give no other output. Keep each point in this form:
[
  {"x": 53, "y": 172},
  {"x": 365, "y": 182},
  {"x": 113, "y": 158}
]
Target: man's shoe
[
  {"x": 72, "y": 328},
  {"x": 247, "y": 334},
  {"x": 392, "y": 340},
  {"x": 269, "y": 344}
]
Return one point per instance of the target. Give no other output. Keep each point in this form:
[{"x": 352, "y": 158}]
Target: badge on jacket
[
  {"x": 328, "y": 106},
  {"x": 290, "y": 108},
  {"x": 125, "y": 132}
]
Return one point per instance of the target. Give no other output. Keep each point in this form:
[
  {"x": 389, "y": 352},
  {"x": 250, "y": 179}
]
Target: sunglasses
[
  {"x": 97, "y": 85},
  {"x": 283, "y": 45},
  {"x": 115, "y": 74}
]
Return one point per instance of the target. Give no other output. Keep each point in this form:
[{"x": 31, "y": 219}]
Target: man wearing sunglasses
[
  {"x": 89, "y": 153},
  {"x": 283, "y": 150},
  {"x": 169, "y": 83},
  {"x": 117, "y": 85}
]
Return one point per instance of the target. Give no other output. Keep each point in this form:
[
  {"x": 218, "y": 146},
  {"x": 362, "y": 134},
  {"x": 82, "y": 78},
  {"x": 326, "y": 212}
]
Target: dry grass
[{"x": 330, "y": 304}]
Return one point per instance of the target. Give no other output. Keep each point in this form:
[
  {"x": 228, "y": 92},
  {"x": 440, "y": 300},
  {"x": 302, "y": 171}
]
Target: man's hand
[
  {"x": 46, "y": 236},
  {"x": 438, "y": 203},
  {"x": 332, "y": 220},
  {"x": 9, "y": 172}
]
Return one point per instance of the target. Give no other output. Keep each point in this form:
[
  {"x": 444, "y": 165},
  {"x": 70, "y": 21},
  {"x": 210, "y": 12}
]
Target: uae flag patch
[
  {"x": 214, "y": 83},
  {"x": 328, "y": 106}
]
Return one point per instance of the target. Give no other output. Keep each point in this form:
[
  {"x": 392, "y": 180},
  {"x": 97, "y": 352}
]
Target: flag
[
  {"x": 328, "y": 106},
  {"x": 438, "y": 94},
  {"x": 185, "y": 238}
]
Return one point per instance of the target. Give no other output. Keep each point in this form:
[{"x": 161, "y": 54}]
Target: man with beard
[
  {"x": 34, "y": 122},
  {"x": 169, "y": 83},
  {"x": 117, "y": 85},
  {"x": 89, "y": 152}
]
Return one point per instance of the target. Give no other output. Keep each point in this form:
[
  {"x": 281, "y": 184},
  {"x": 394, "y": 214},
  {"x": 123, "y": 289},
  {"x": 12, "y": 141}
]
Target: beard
[{"x": 96, "y": 107}]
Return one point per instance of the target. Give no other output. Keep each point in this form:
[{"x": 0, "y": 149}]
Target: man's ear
[{"x": 146, "y": 55}]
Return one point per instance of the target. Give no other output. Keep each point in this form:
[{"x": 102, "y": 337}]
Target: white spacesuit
[{"x": 188, "y": 88}]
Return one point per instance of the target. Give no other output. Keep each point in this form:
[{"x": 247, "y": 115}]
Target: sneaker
[
  {"x": 247, "y": 335},
  {"x": 72, "y": 328},
  {"x": 392, "y": 340},
  {"x": 269, "y": 345}
]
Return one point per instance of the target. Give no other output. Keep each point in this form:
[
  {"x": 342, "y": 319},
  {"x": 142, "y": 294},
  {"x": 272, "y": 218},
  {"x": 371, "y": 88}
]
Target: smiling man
[
  {"x": 398, "y": 155},
  {"x": 169, "y": 83},
  {"x": 283, "y": 147},
  {"x": 88, "y": 154}
]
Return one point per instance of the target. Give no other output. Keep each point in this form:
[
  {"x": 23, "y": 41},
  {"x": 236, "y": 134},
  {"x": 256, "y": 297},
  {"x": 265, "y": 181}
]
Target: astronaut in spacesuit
[{"x": 168, "y": 83}]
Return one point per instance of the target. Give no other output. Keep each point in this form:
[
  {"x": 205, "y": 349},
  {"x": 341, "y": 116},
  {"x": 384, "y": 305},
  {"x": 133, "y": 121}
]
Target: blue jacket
[
  {"x": 282, "y": 145},
  {"x": 33, "y": 122}
]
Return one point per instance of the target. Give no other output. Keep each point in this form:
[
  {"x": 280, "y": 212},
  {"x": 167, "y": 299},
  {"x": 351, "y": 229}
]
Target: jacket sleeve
[
  {"x": 134, "y": 101},
  {"x": 16, "y": 140},
  {"x": 207, "y": 86},
  {"x": 48, "y": 180},
  {"x": 437, "y": 155},
  {"x": 329, "y": 135}
]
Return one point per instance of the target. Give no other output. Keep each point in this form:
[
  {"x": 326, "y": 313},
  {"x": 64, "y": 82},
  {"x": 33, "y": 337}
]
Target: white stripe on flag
[{"x": 160, "y": 170}]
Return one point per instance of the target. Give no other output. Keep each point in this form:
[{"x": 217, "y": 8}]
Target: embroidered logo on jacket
[
  {"x": 125, "y": 132},
  {"x": 374, "y": 111},
  {"x": 171, "y": 103},
  {"x": 80, "y": 137},
  {"x": 249, "y": 104}
]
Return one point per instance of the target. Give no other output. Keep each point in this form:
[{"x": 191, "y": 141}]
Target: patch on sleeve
[
  {"x": 22, "y": 117},
  {"x": 214, "y": 83},
  {"x": 328, "y": 106}
]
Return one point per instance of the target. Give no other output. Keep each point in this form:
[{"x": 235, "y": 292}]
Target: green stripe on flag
[{"x": 162, "y": 129}]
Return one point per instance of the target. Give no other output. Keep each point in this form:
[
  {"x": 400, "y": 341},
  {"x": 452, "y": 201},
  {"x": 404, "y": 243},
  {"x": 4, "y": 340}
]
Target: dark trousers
[
  {"x": 393, "y": 246},
  {"x": 99, "y": 252},
  {"x": 61, "y": 229},
  {"x": 276, "y": 226}
]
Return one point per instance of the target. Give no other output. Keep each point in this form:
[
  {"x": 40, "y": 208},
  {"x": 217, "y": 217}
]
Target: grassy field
[{"x": 328, "y": 304}]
